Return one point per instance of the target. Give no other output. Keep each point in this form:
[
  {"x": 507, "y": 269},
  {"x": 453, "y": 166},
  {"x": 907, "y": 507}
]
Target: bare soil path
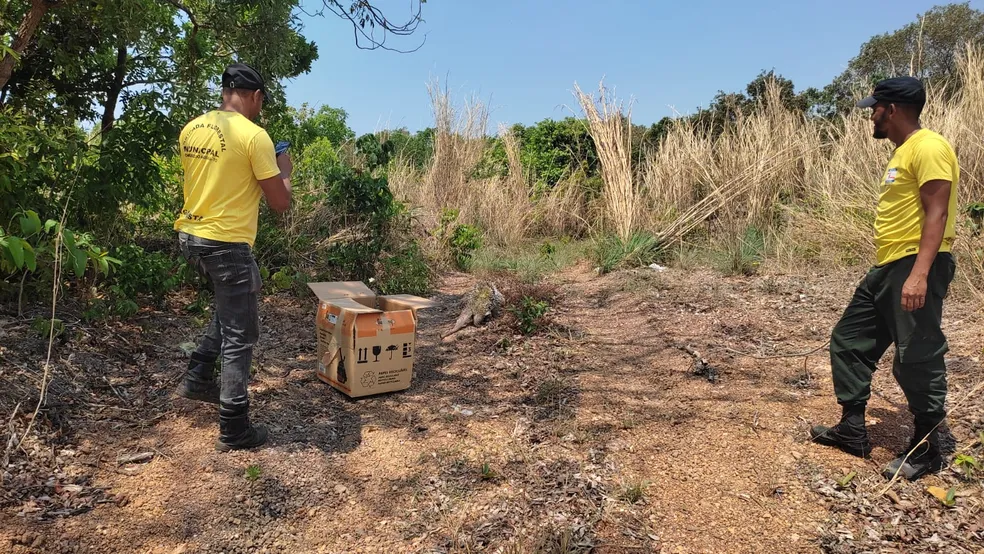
[{"x": 593, "y": 436}]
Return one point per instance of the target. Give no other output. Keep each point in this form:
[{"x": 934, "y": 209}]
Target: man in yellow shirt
[
  {"x": 900, "y": 300},
  {"x": 228, "y": 163}
]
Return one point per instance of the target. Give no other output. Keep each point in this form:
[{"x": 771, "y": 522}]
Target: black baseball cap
[
  {"x": 242, "y": 76},
  {"x": 897, "y": 90}
]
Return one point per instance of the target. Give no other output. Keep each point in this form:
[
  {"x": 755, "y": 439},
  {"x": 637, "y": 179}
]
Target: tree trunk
[
  {"x": 32, "y": 19},
  {"x": 113, "y": 94}
]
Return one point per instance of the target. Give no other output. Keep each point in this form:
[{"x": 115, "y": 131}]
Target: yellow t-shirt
[
  {"x": 223, "y": 155},
  {"x": 925, "y": 156}
]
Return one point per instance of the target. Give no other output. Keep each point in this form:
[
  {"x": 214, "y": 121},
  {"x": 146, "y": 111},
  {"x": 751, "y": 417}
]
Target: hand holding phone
[
  {"x": 282, "y": 147},
  {"x": 286, "y": 165}
]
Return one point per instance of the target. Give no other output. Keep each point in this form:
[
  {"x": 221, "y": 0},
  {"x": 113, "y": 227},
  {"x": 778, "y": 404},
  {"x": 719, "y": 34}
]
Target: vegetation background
[{"x": 92, "y": 96}]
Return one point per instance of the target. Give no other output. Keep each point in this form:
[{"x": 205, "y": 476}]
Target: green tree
[
  {"x": 209, "y": 29},
  {"x": 726, "y": 108},
  {"x": 315, "y": 164},
  {"x": 926, "y": 48},
  {"x": 655, "y": 133},
  {"x": 304, "y": 126},
  {"x": 89, "y": 56},
  {"x": 757, "y": 91},
  {"x": 552, "y": 150},
  {"x": 108, "y": 83},
  {"x": 416, "y": 148}
]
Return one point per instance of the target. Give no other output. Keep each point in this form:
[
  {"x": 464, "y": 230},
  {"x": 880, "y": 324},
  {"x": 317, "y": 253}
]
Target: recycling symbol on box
[{"x": 369, "y": 379}]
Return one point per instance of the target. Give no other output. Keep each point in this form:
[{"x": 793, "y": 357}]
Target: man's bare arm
[
  {"x": 277, "y": 190},
  {"x": 935, "y": 196}
]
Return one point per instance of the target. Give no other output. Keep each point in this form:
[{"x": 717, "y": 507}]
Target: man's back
[{"x": 223, "y": 155}]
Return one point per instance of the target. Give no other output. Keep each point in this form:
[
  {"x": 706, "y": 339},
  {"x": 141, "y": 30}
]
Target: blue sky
[{"x": 523, "y": 57}]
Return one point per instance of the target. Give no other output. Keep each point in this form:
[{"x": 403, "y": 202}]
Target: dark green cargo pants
[{"x": 875, "y": 319}]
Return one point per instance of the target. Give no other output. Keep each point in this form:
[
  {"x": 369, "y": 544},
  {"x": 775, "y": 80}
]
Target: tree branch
[
  {"x": 129, "y": 84},
  {"x": 29, "y": 25},
  {"x": 362, "y": 14},
  {"x": 187, "y": 11}
]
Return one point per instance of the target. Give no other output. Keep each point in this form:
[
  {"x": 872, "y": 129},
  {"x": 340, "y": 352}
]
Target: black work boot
[
  {"x": 197, "y": 387},
  {"x": 235, "y": 431},
  {"x": 850, "y": 435},
  {"x": 925, "y": 457}
]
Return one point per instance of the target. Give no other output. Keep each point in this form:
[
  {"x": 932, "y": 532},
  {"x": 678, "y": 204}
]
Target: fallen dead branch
[
  {"x": 702, "y": 368},
  {"x": 140, "y": 458},
  {"x": 777, "y": 356}
]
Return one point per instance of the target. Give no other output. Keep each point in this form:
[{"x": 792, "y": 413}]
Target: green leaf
[
  {"x": 967, "y": 459},
  {"x": 30, "y": 260},
  {"x": 113, "y": 260},
  {"x": 16, "y": 248},
  {"x": 69, "y": 238},
  {"x": 79, "y": 261},
  {"x": 6, "y": 262},
  {"x": 951, "y": 496},
  {"x": 49, "y": 225},
  {"x": 103, "y": 265},
  {"x": 30, "y": 223}
]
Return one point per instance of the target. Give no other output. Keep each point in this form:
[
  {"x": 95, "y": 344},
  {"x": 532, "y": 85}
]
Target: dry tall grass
[
  {"x": 809, "y": 186},
  {"x": 566, "y": 210},
  {"x": 459, "y": 142},
  {"x": 735, "y": 180},
  {"x": 500, "y": 206},
  {"x": 611, "y": 130}
]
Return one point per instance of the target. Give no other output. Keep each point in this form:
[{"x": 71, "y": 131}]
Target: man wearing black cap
[
  {"x": 900, "y": 300},
  {"x": 228, "y": 163}
]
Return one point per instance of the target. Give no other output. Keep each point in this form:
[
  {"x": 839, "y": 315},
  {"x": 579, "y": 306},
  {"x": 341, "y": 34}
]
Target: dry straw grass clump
[
  {"x": 611, "y": 130},
  {"x": 500, "y": 206},
  {"x": 807, "y": 186},
  {"x": 737, "y": 179}
]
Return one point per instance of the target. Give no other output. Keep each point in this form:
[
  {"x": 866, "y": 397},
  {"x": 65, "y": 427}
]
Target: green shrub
[
  {"x": 44, "y": 327},
  {"x": 139, "y": 273},
  {"x": 465, "y": 240},
  {"x": 405, "y": 272},
  {"x": 111, "y": 305},
  {"x": 316, "y": 162},
  {"x": 147, "y": 273},
  {"x": 530, "y": 315},
  {"x": 744, "y": 254},
  {"x": 527, "y": 304},
  {"x": 253, "y": 472},
  {"x": 283, "y": 279},
  {"x": 641, "y": 249},
  {"x": 968, "y": 464},
  {"x": 28, "y": 258},
  {"x": 458, "y": 239},
  {"x": 354, "y": 208},
  {"x": 373, "y": 153}
]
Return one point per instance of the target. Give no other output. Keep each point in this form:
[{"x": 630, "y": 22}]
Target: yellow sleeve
[
  {"x": 934, "y": 161},
  {"x": 262, "y": 157}
]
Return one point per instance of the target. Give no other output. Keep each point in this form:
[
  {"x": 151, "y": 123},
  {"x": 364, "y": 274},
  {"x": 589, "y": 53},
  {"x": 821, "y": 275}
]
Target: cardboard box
[{"x": 366, "y": 343}]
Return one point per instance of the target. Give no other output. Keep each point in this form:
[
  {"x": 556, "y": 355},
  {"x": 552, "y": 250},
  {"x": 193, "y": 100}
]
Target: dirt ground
[{"x": 596, "y": 435}]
